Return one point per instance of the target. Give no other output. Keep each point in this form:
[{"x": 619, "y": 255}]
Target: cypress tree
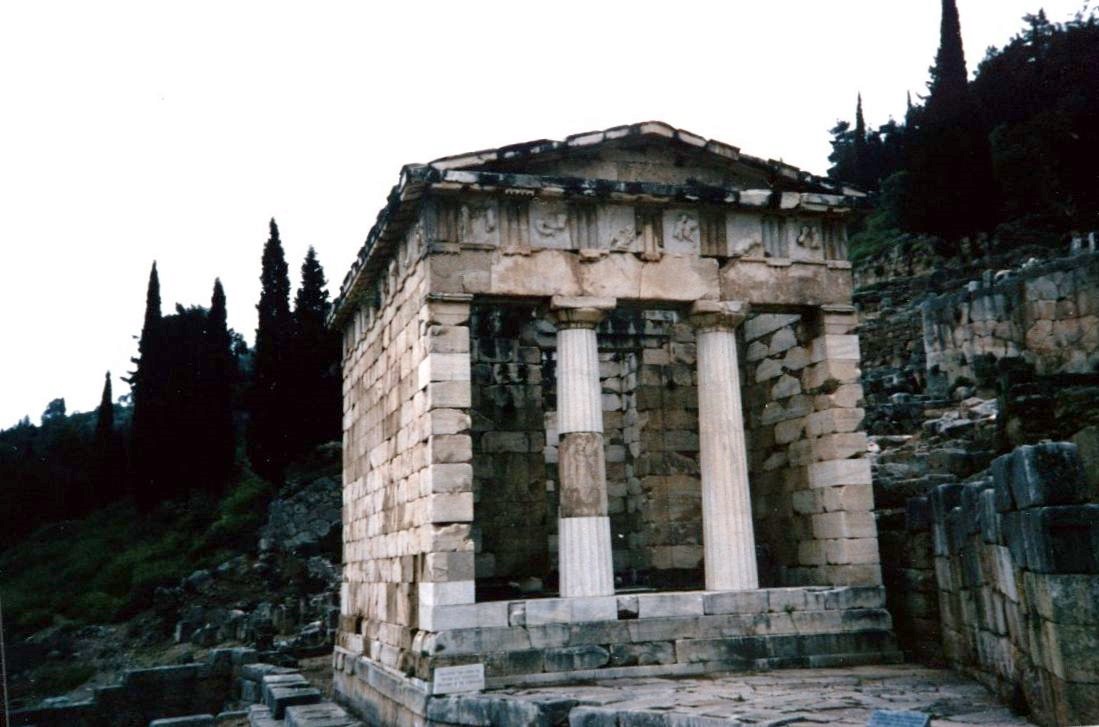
[
  {"x": 219, "y": 391},
  {"x": 106, "y": 485},
  {"x": 948, "y": 75},
  {"x": 317, "y": 394},
  {"x": 863, "y": 175},
  {"x": 149, "y": 385},
  {"x": 268, "y": 425},
  {"x": 950, "y": 188}
]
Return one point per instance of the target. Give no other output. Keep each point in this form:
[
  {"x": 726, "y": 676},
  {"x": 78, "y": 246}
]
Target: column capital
[
  {"x": 706, "y": 315},
  {"x": 580, "y": 311}
]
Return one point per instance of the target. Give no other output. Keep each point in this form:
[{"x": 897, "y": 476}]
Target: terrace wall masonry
[{"x": 579, "y": 376}]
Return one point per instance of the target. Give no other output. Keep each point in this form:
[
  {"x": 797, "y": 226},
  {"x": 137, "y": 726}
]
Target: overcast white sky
[{"x": 133, "y": 132}]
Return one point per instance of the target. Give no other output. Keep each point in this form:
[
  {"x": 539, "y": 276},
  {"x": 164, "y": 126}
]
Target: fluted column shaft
[
  {"x": 727, "y": 533},
  {"x": 584, "y": 531}
]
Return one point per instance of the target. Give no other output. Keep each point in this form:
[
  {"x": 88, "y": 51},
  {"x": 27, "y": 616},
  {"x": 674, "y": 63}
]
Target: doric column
[
  {"x": 584, "y": 530},
  {"x": 728, "y": 538}
]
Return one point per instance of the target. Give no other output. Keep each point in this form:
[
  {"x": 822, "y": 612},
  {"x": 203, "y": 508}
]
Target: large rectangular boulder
[
  {"x": 1062, "y": 539},
  {"x": 1049, "y": 473}
]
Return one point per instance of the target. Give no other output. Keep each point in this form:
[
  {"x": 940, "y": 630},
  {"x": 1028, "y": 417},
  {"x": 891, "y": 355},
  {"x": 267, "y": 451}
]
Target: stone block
[
  {"x": 834, "y": 348},
  {"x": 662, "y": 605},
  {"x": 449, "y": 395},
  {"x": 1073, "y": 651},
  {"x": 857, "y": 597},
  {"x": 743, "y": 650},
  {"x": 1064, "y": 599},
  {"x": 448, "y": 339},
  {"x": 466, "y": 616},
  {"x": 451, "y": 448},
  {"x": 1000, "y": 469},
  {"x": 989, "y": 517},
  {"x": 839, "y": 472},
  {"x": 1087, "y": 446},
  {"x": 785, "y": 600},
  {"x": 831, "y": 373},
  {"x": 1047, "y": 474},
  {"x": 917, "y": 514},
  {"x": 829, "y": 421},
  {"x": 857, "y": 550},
  {"x": 574, "y": 658},
  {"x": 450, "y": 478},
  {"x": 445, "y": 593},
  {"x": 644, "y": 654},
  {"x": 326, "y": 714},
  {"x": 453, "y": 566},
  {"x": 1062, "y": 539},
  {"x": 443, "y": 367},
  {"x": 735, "y": 602},
  {"x": 832, "y": 525},
  {"x": 195, "y": 720},
  {"x": 278, "y": 698},
  {"x": 450, "y": 508}
]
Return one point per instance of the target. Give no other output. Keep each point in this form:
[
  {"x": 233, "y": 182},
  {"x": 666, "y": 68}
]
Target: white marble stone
[
  {"x": 585, "y": 556},
  {"x": 727, "y": 533},
  {"x": 579, "y": 400}
]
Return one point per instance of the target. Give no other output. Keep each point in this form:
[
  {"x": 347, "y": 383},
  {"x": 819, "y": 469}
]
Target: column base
[{"x": 584, "y": 556}]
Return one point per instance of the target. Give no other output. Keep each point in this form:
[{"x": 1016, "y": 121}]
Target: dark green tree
[
  {"x": 317, "y": 394},
  {"x": 149, "y": 388},
  {"x": 948, "y": 82},
  {"x": 269, "y": 429},
  {"x": 219, "y": 382},
  {"x": 949, "y": 184},
  {"x": 108, "y": 484}
]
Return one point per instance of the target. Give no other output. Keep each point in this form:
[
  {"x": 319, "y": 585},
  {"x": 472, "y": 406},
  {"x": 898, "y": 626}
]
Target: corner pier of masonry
[{"x": 601, "y": 418}]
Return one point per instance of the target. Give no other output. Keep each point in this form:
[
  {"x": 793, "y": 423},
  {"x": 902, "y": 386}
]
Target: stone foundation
[{"x": 560, "y": 640}]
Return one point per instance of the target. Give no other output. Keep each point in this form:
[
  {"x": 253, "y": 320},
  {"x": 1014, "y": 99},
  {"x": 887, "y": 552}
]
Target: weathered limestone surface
[
  {"x": 1047, "y": 315},
  {"x": 1016, "y": 560},
  {"x": 528, "y": 411}
]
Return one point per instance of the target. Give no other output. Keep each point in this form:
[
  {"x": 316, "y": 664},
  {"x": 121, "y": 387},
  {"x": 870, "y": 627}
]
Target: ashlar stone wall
[
  {"x": 812, "y": 497},
  {"x": 1047, "y": 314},
  {"x": 408, "y": 481}
]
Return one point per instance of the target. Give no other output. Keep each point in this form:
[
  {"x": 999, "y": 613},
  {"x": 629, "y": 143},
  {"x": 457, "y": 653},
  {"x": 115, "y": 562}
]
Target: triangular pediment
[{"x": 646, "y": 152}]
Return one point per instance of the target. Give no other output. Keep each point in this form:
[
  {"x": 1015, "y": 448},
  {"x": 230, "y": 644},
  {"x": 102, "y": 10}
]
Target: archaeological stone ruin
[{"x": 602, "y": 418}]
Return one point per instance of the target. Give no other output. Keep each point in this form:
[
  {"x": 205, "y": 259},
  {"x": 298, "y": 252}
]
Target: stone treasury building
[{"x": 602, "y": 418}]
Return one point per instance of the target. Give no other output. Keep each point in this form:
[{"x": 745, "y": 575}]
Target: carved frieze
[
  {"x": 550, "y": 220},
  {"x": 681, "y": 231}
]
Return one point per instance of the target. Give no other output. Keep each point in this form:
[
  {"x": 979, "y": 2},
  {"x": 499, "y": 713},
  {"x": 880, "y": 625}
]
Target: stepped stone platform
[{"x": 796, "y": 698}]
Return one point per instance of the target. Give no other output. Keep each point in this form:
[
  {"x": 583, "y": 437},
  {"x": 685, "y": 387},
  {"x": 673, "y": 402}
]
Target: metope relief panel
[
  {"x": 807, "y": 243},
  {"x": 681, "y": 232},
  {"x": 550, "y": 223},
  {"x": 618, "y": 229},
  {"x": 743, "y": 234},
  {"x": 480, "y": 223}
]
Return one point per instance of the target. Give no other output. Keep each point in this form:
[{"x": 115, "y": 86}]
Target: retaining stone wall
[
  {"x": 1017, "y": 569},
  {"x": 1047, "y": 314}
]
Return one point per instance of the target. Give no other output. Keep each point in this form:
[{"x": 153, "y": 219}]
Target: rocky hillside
[{"x": 86, "y": 600}]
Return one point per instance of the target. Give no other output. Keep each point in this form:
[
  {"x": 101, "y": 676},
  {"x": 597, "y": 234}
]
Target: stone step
[
  {"x": 194, "y": 720},
  {"x": 320, "y": 714}
]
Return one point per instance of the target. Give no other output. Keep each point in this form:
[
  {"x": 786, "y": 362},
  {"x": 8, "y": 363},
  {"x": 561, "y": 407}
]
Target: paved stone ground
[{"x": 794, "y": 697}]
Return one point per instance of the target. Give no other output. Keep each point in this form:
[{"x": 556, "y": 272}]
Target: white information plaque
[{"x": 464, "y": 678}]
